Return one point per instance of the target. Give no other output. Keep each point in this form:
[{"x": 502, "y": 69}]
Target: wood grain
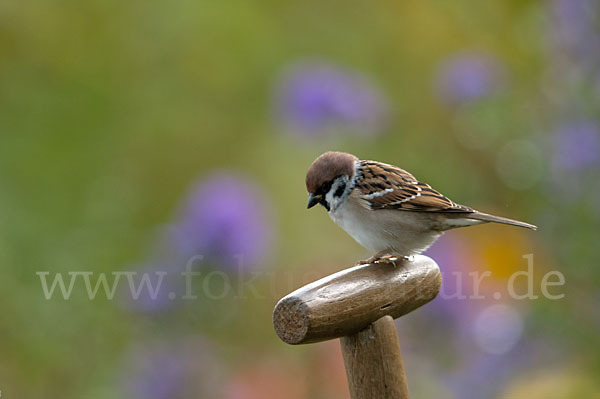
[
  {"x": 374, "y": 363},
  {"x": 347, "y": 302}
]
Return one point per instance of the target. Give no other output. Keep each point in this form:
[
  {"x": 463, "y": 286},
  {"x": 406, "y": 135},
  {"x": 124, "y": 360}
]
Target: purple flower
[
  {"x": 485, "y": 375},
  {"x": 449, "y": 252},
  {"x": 225, "y": 220},
  {"x": 468, "y": 77},
  {"x": 575, "y": 28},
  {"x": 157, "y": 376},
  {"x": 159, "y": 370},
  {"x": 577, "y": 146},
  {"x": 153, "y": 284},
  {"x": 315, "y": 97}
]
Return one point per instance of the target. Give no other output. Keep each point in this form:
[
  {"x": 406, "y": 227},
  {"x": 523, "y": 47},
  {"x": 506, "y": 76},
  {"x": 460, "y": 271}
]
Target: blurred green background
[{"x": 138, "y": 134}]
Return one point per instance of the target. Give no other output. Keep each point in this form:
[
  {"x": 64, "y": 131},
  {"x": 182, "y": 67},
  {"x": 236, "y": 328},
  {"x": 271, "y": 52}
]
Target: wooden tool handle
[
  {"x": 347, "y": 302},
  {"x": 374, "y": 363}
]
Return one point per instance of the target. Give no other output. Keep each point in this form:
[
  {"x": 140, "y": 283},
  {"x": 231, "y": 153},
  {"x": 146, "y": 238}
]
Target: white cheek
[
  {"x": 329, "y": 197},
  {"x": 333, "y": 201}
]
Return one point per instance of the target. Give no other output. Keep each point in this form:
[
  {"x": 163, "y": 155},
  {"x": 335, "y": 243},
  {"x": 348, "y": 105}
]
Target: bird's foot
[
  {"x": 372, "y": 259},
  {"x": 386, "y": 259}
]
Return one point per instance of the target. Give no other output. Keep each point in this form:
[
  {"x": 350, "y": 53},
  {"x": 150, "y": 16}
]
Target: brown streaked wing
[{"x": 386, "y": 186}]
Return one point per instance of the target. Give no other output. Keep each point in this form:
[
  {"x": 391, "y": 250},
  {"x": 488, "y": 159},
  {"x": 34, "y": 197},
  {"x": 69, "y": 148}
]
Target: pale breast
[
  {"x": 360, "y": 224},
  {"x": 400, "y": 232}
]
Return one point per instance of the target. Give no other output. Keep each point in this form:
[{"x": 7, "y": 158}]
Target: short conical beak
[{"x": 313, "y": 200}]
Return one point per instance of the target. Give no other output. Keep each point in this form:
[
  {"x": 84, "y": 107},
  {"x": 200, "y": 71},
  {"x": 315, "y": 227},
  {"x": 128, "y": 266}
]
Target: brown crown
[{"x": 327, "y": 167}]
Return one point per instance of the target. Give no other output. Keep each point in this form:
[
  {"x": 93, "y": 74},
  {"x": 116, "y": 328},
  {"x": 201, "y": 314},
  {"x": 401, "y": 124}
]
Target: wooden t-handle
[
  {"x": 373, "y": 362},
  {"x": 349, "y": 301}
]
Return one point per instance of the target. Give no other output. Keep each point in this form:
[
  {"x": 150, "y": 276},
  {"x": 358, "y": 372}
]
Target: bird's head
[{"x": 329, "y": 179}]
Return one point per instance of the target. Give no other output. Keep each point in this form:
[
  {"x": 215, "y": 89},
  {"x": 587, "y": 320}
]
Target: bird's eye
[{"x": 324, "y": 189}]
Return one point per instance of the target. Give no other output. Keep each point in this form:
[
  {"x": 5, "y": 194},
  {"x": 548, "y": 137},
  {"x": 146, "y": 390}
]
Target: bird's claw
[{"x": 385, "y": 259}]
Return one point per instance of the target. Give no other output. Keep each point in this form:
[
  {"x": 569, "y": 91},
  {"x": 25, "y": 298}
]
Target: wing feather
[{"x": 386, "y": 186}]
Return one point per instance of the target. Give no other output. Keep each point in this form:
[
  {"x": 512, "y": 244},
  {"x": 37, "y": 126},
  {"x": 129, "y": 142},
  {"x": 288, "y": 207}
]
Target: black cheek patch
[
  {"x": 324, "y": 189},
  {"x": 339, "y": 191}
]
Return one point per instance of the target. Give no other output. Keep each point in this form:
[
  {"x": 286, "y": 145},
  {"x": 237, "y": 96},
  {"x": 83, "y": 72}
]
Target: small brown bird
[{"x": 385, "y": 208}]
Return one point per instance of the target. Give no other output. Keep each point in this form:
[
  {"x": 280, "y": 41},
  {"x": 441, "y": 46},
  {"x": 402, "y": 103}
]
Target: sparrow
[{"x": 385, "y": 208}]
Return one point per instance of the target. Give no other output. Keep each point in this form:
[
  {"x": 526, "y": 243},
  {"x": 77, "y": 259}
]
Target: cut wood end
[
  {"x": 290, "y": 319},
  {"x": 348, "y": 301}
]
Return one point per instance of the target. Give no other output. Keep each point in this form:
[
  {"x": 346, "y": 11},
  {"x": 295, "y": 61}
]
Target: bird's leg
[
  {"x": 372, "y": 259},
  {"x": 388, "y": 259},
  {"x": 379, "y": 257},
  {"x": 385, "y": 257},
  {"x": 393, "y": 259}
]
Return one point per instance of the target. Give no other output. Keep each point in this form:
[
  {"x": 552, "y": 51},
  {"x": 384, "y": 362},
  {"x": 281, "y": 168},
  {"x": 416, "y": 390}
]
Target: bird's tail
[{"x": 484, "y": 217}]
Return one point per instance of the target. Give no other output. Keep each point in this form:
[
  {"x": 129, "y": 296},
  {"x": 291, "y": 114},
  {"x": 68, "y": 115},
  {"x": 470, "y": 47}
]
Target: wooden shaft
[
  {"x": 374, "y": 363},
  {"x": 348, "y": 301}
]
